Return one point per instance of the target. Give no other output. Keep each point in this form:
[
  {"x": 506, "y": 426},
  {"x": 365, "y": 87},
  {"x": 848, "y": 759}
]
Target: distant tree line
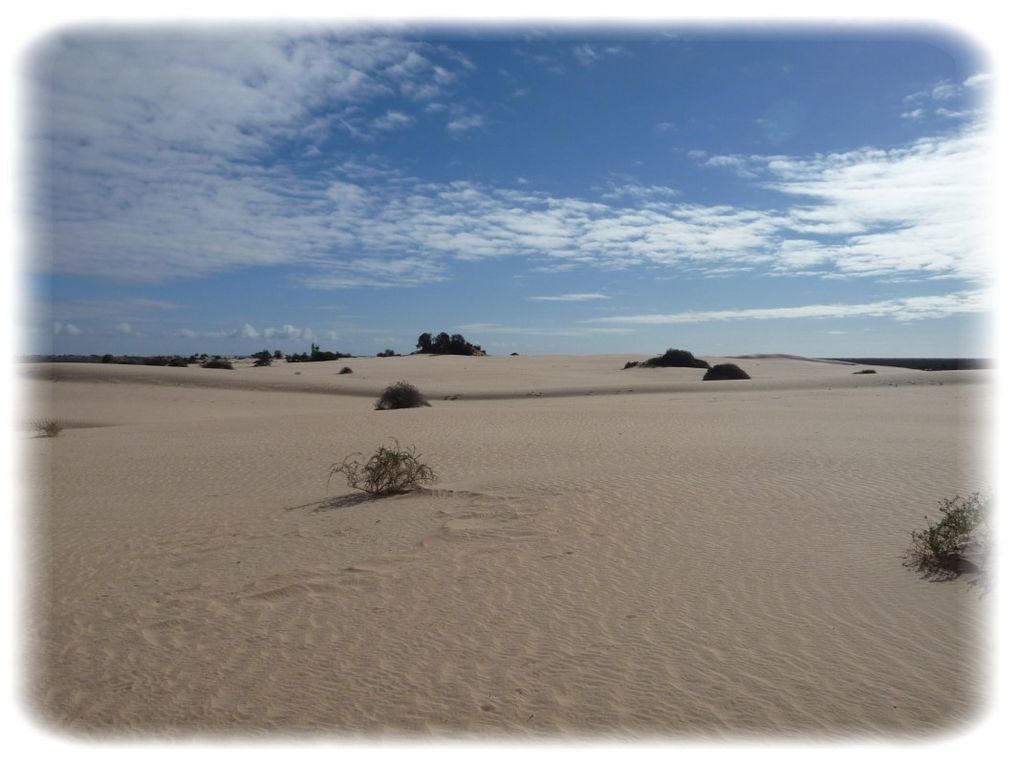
[
  {"x": 316, "y": 355},
  {"x": 447, "y": 344}
]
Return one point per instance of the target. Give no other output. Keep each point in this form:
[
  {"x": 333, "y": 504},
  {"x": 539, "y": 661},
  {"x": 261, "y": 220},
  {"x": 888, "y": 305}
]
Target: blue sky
[{"x": 539, "y": 190}]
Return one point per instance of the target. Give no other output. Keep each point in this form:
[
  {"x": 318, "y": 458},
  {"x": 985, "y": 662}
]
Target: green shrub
[
  {"x": 48, "y": 428},
  {"x": 401, "y": 395},
  {"x": 940, "y": 549},
  {"x": 388, "y": 471},
  {"x": 345, "y": 371}
]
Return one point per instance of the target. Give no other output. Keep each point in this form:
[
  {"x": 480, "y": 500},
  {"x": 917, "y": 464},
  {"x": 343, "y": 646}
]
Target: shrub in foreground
[
  {"x": 217, "y": 364},
  {"x": 401, "y": 395},
  {"x": 388, "y": 471},
  {"x": 345, "y": 371},
  {"x": 48, "y": 428},
  {"x": 940, "y": 549}
]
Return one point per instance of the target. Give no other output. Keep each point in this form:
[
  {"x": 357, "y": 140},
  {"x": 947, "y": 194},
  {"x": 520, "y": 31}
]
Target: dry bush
[
  {"x": 401, "y": 395},
  {"x": 388, "y": 471},
  {"x": 940, "y": 550},
  {"x": 48, "y": 428}
]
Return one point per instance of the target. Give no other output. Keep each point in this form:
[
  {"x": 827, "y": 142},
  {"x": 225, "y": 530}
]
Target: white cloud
[
  {"x": 173, "y": 127},
  {"x": 978, "y": 80},
  {"x": 917, "y": 209},
  {"x": 588, "y": 54},
  {"x": 465, "y": 123},
  {"x": 902, "y": 309},
  {"x": 392, "y": 120},
  {"x": 178, "y": 134},
  {"x": 60, "y": 328},
  {"x": 945, "y": 91},
  {"x": 125, "y": 329},
  {"x": 248, "y": 331},
  {"x": 501, "y": 329},
  {"x": 574, "y": 297},
  {"x": 286, "y": 332}
]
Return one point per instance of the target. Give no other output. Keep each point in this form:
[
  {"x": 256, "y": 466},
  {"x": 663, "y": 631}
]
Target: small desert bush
[
  {"x": 388, "y": 471},
  {"x": 217, "y": 364},
  {"x": 346, "y": 371},
  {"x": 48, "y": 428},
  {"x": 401, "y": 395},
  {"x": 939, "y": 550}
]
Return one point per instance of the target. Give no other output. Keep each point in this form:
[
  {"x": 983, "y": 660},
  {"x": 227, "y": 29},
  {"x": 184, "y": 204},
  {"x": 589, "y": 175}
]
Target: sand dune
[{"x": 664, "y": 556}]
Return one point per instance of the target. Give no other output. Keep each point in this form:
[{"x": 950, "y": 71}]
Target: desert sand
[{"x": 605, "y": 553}]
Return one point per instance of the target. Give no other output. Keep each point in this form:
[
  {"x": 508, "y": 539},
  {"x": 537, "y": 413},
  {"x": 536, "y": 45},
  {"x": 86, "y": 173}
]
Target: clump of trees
[
  {"x": 149, "y": 361},
  {"x": 316, "y": 355},
  {"x": 447, "y": 344}
]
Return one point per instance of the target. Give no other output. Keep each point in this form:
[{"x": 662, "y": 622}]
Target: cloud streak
[{"x": 903, "y": 309}]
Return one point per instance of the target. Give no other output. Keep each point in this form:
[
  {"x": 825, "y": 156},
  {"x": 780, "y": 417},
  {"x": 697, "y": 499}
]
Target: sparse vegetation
[
  {"x": 217, "y": 363},
  {"x": 345, "y": 371},
  {"x": 941, "y": 549},
  {"x": 388, "y": 471},
  {"x": 48, "y": 428},
  {"x": 316, "y": 355},
  {"x": 401, "y": 395}
]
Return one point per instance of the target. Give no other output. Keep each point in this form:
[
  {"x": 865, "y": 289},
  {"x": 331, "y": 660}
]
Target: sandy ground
[{"x": 626, "y": 553}]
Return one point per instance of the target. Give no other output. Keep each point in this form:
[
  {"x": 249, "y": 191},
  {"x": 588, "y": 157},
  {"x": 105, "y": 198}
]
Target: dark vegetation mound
[
  {"x": 315, "y": 355},
  {"x": 671, "y": 358},
  {"x": 217, "y": 364},
  {"x": 443, "y": 344},
  {"x": 726, "y": 372},
  {"x": 401, "y": 395},
  {"x": 866, "y": 372},
  {"x": 345, "y": 371}
]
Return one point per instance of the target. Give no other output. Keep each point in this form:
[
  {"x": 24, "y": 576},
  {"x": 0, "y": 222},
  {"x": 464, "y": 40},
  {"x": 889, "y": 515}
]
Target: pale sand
[{"x": 663, "y": 557}]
